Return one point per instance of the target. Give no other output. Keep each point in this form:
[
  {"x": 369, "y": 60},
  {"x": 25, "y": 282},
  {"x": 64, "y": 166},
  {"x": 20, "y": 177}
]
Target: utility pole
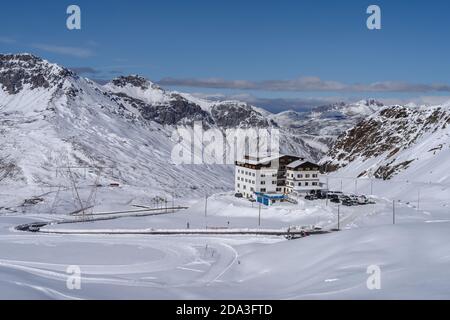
[
  {"x": 393, "y": 211},
  {"x": 165, "y": 202},
  {"x": 173, "y": 202},
  {"x": 259, "y": 215},
  {"x": 206, "y": 206},
  {"x": 328, "y": 187},
  {"x": 339, "y": 217}
]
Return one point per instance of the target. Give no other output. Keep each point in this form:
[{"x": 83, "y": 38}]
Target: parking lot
[{"x": 341, "y": 198}]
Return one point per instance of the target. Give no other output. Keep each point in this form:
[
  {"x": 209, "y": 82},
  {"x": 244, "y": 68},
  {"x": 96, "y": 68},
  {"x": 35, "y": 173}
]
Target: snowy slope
[
  {"x": 51, "y": 118},
  {"x": 406, "y": 146},
  {"x": 412, "y": 256},
  {"x": 397, "y": 140},
  {"x": 173, "y": 108},
  {"x": 61, "y": 119},
  {"x": 329, "y": 120}
]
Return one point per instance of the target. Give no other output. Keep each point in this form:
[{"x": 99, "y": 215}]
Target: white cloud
[
  {"x": 65, "y": 50},
  {"x": 7, "y": 40},
  {"x": 422, "y": 100},
  {"x": 306, "y": 84}
]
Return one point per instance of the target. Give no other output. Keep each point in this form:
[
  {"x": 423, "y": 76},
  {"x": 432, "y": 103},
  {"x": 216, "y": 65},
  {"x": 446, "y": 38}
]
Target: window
[
  {"x": 263, "y": 175},
  {"x": 245, "y": 187},
  {"x": 306, "y": 183},
  {"x": 238, "y": 185},
  {"x": 246, "y": 180},
  {"x": 300, "y": 176},
  {"x": 263, "y": 182},
  {"x": 274, "y": 175},
  {"x": 252, "y": 189},
  {"x": 314, "y": 183},
  {"x": 299, "y": 184},
  {"x": 263, "y": 190},
  {"x": 274, "y": 182},
  {"x": 253, "y": 174},
  {"x": 278, "y": 189},
  {"x": 314, "y": 175},
  {"x": 307, "y": 175}
]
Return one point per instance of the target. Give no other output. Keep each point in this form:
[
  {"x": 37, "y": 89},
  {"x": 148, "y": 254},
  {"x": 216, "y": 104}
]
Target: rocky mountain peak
[
  {"x": 393, "y": 136},
  {"x": 19, "y": 70},
  {"x": 372, "y": 102},
  {"x": 135, "y": 81}
]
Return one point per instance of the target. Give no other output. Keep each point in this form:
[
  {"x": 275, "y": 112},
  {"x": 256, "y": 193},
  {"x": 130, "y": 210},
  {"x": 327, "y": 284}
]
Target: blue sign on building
[{"x": 269, "y": 199}]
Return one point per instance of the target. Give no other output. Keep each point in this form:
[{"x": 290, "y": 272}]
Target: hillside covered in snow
[
  {"x": 54, "y": 122},
  {"x": 52, "y": 118},
  {"x": 328, "y": 120},
  {"x": 410, "y": 142}
]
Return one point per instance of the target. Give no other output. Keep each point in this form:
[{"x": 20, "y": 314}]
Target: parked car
[
  {"x": 362, "y": 200},
  {"x": 335, "y": 200},
  {"x": 311, "y": 197},
  {"x": 348, "y": 202},
  {"x": 322, "y": 194},
  {"x": 333, "y": 196},
  {"x": 298, "y": 232},
  {"x": 34, "y": 228},
  {"x": 238, "y": 195}
]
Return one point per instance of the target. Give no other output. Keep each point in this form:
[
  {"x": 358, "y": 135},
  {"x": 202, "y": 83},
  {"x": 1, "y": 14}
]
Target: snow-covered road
[{"x": 414, "y": 256}]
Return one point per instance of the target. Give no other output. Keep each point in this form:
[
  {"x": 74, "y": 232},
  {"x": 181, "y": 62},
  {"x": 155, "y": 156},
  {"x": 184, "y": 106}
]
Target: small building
[
  {"x": 269, "y": 199},
  {"x": 303, "y": 177},
  {"x": 282, "y": 174},
  {"x": 263, "y": 175}
]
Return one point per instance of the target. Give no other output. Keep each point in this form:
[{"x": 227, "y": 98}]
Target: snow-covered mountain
[
  {"x": 328, "y": 120},
  {"x": 51, "y": 118},
  {"x": 406, "y": 142},
  {"x": 173, "y": 108}
]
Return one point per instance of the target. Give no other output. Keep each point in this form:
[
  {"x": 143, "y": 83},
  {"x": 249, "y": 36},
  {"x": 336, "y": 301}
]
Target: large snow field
[
  {"x": 414, "y": 255},
  {"x": 414, "y": 259}
]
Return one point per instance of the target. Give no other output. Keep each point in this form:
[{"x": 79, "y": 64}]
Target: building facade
[
  {"x": 273, "y": 175},
  {"x": 302, "y": 177}
]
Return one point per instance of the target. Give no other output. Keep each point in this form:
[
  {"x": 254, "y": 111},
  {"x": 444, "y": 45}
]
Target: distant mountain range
[
  {"x": 328, "y": 120},
  {"x": 50, "y": 116}
]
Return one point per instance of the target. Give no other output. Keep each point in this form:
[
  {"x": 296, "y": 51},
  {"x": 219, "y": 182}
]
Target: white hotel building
[{"x": 275, "y": 175}]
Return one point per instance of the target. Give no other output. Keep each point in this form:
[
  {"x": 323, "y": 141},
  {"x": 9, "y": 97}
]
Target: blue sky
[{"x": 287, "y": 51}]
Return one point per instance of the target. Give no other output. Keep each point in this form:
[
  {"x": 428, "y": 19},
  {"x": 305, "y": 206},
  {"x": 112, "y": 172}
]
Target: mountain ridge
[{"x": 411, "y": 142}]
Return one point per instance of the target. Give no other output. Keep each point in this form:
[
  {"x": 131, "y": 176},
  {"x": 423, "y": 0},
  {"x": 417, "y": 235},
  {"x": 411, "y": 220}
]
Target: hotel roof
[
  {"x": 256, "y": 161},
  {"x": 298, "y": 163}
]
